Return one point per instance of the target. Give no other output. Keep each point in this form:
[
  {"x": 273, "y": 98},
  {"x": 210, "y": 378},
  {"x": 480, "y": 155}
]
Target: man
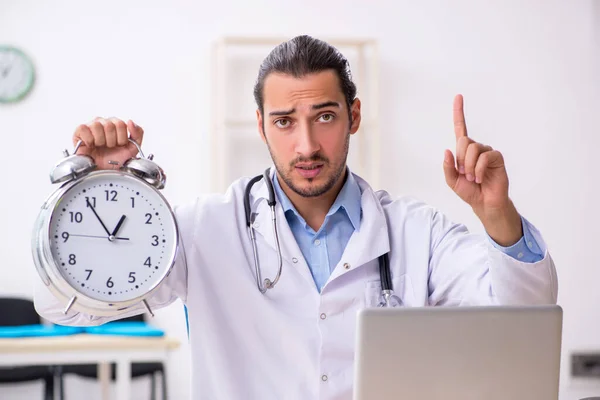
[{"x": 296, "y": 341}]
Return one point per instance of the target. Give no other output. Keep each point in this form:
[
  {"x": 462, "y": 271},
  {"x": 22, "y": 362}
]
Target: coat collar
[
  {"x": 348, "y": 200},
  {"x": 365, "y": 244}
]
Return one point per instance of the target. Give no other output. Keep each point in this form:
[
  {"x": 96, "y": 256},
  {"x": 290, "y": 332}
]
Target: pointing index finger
[{"x": 460, "y": 127}]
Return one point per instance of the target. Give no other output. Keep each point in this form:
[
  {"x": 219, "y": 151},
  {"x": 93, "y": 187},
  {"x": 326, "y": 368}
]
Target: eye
[
  {"x": 282, "y": 123},
  {"x": 327, "y": 117}
]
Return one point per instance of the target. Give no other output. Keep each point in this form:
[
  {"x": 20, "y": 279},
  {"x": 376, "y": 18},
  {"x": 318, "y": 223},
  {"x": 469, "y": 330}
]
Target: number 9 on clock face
[{"x": 112, "y": 237}]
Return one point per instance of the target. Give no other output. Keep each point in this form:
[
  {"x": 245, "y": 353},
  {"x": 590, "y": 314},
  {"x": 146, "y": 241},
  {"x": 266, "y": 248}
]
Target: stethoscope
[{"x": 388, "y": 298}]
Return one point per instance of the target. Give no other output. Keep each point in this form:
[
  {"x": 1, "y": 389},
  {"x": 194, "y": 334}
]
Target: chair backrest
[{"x": 17, "y": 311}]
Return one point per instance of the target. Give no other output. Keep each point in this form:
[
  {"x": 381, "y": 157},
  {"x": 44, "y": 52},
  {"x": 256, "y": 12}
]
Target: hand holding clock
[{"x": 106, "y": 139}]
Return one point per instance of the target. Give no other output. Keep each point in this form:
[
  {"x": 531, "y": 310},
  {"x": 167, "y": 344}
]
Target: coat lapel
[{"x": 371, "y": 240}]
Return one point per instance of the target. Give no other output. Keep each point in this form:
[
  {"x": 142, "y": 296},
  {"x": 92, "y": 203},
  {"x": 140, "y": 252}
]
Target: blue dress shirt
[{"x": 323, "y": 249}]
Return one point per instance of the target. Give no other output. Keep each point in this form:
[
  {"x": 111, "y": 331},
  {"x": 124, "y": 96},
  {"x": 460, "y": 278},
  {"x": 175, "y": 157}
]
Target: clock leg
[{"x": 148, "y": 307}]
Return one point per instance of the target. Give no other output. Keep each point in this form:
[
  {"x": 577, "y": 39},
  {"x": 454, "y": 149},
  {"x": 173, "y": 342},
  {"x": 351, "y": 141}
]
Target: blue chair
[{"x": 19, "y": 312}]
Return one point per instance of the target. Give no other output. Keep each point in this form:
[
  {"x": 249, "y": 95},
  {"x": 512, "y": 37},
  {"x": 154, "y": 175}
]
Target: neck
[{"x": 314, "y": 209}]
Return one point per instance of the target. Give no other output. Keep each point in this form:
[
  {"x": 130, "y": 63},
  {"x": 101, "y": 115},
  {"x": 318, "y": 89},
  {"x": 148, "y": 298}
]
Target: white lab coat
[{"x": 297, "y": 343}]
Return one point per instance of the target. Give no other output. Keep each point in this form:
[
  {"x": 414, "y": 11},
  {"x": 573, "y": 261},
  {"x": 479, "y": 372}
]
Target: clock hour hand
[
  {"x": 118, "y": 226},
  {"x": 96, "y": 214},
  {"x": 5, "y": 69}
]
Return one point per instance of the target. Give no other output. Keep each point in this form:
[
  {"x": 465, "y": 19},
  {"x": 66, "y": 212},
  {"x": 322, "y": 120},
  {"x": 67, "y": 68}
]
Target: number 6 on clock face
[{"x": 112, "y": 237}]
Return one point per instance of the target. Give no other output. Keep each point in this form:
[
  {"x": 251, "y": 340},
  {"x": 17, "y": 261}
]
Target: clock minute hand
[{"x": 96, "y": 214}]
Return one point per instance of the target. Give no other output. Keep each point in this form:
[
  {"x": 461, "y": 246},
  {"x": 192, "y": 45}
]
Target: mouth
[{"x": 308, "y": 170}]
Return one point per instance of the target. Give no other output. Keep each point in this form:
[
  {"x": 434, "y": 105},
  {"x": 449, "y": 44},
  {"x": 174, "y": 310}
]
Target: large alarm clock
[{"x": 105, "y": 240}]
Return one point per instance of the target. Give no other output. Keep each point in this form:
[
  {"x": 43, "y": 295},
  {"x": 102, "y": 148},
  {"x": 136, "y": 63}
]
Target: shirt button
[
  {"x": 324, "y": 378},
  {"x": 529, "y": 244},
  {"x": 346, "y": 265},
  {"x": 256, "y": 225},
  {"x": 520, "y": 255},
  {"x": 323, "y": 316},
  {"x": 317, "y": 242},
  {"x": 294, "y": 260}
]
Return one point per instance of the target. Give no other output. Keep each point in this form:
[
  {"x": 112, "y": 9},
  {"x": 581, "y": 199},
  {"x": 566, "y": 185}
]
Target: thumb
[
  {"x": 136, "y": 133},
  {"x": 450, "y": 169}
]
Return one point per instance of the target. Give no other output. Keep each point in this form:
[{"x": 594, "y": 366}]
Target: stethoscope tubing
[{"x": 385, "y": 275}]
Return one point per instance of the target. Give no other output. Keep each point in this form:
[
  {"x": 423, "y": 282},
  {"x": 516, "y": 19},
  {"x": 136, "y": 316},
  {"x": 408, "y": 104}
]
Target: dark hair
[{"x": 304, "y": 55}]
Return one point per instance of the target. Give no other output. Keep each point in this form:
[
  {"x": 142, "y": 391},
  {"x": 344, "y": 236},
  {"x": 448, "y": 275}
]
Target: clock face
[
  {"x": 16, "y": 74},
  {"x": 112, "y": 237}
]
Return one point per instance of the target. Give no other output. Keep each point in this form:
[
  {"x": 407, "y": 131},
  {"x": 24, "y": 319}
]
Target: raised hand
[{"x": 479, "y": 178}]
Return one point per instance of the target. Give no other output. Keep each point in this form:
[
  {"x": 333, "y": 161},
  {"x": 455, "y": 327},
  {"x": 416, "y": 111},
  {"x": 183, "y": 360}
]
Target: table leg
[
  {"x": 104, "y": 379},
  {"x": 123, "y": 379}
]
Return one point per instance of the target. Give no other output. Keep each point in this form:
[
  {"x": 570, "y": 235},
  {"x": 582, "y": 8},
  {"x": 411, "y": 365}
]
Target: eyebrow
[
  {"x": 314, "y": 107},
  {"x": 326, "y": 104}
]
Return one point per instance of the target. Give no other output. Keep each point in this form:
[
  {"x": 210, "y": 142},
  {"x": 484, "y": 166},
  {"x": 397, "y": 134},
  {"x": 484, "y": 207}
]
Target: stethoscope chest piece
[{"x": 389, "y": 299}]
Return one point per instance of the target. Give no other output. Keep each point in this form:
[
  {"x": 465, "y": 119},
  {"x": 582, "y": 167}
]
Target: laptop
[{"x": 452, "y": 353}]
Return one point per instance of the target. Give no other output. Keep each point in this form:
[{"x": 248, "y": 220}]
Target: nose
[{"x": 306, "y": 143}]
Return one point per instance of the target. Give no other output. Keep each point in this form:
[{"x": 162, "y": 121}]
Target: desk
[{"x": 89, "y": 349}]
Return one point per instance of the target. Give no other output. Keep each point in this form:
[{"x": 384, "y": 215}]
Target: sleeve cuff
[{"x": 526, "y": 249}]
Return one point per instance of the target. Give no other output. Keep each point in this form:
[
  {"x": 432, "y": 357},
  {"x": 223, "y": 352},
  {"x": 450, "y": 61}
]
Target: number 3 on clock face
[{"x": 112, "y": 237}]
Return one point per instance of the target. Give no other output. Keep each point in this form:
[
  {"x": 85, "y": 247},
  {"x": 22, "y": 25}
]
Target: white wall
[{"x": 525, "y": 68}]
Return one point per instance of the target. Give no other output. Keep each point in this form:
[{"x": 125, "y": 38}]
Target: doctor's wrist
[{"x": 504, "y": 226}]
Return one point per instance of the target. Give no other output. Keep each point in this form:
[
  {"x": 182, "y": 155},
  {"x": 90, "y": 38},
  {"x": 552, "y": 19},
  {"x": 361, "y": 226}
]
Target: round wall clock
[{"x": 17, "y": 74}]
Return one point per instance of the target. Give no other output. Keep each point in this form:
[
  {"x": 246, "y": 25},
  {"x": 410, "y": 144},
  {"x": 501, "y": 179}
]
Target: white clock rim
[
  {"x": 50, "y": 272},
  {"x": 31, "y": 79}
]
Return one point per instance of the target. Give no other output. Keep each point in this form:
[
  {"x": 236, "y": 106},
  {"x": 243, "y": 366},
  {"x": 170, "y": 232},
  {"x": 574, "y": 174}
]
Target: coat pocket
[{"x": 402, "y": 288}]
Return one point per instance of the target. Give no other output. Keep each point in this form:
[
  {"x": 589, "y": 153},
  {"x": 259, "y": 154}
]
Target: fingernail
[
  {"x": 461, "y": 169},
  {"x": 470, "y": 177},
  {"x": 478, "y": 180}
]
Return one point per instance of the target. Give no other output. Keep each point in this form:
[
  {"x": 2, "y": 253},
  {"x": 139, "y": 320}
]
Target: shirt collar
[{"x": 348, "y": 199}]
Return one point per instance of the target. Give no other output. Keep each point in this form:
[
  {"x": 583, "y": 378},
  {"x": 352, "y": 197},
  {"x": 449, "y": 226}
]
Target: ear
[
  {"x": 355, "y": 113},
  {"x": 259, "y": 121}
]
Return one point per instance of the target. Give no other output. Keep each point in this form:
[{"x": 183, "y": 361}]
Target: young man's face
[{"x": 307, "y": 129}]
